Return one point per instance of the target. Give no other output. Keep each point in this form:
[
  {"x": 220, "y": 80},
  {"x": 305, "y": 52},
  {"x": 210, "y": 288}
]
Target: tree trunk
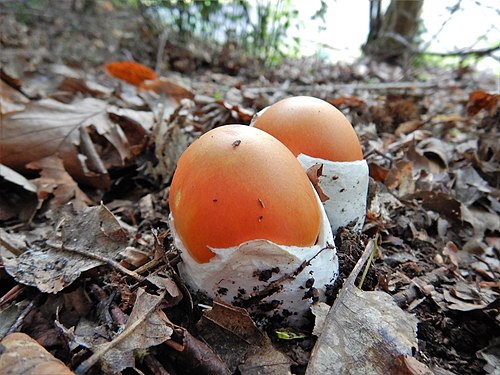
[{"x": 392, "y": 35}]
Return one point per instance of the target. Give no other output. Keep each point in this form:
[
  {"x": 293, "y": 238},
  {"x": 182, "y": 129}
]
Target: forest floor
[{"x": 84, "y": 154}]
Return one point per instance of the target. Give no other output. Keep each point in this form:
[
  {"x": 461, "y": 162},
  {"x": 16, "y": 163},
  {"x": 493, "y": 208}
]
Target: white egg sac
[
  {"x": 270, "y": 280},
  {"x": 346, "y": 186}
]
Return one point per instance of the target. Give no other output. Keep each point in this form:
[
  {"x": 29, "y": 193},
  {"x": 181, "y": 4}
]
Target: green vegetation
[{"x": 259, "y": 28}]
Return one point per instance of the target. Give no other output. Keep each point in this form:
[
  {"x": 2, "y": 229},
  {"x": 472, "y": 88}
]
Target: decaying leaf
[
  {"x": 18, "y": 197},
  {"x": 364, "y": 332},
  {"x": 11, "y": 100},
  {"x": 94, "y": 231},
  {"x": 491, "y": 354},
  {"x": 146, "y": 327},
  {"x": 232, "y": 334},
  {"x": 167, "y": 88},
  {"x": 401, "y": 177},
  {"x": 48, "y": 127},
  {"x": 411, "y": 366},
  {"x": 479, "y": 100},
  {"x": 314, "y": 173},
  {"x": 75, "y": 85},
  {"x": 22, "y": 355},
  {"x": 171, "y": 140},
  {"x": 351, "y": 102},
  {"x": 54, "y": 180}
]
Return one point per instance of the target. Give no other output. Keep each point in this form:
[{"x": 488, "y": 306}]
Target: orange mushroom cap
[
  {"x": 311, "y": 126},
  {"x": 237, "y": 183}
]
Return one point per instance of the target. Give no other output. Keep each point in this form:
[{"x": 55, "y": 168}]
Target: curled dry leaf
[
  {"x": 55, "y": 180},
  {"x": 94, "y": 231},
  {"x": 130, "y": 71},
  {"x": 479, "y": 100},
  {"x": 11, "y": 100},
  {"x": 401, "y": 177},
  {"x": 352, "y": 102},
  {"x": 167, "y": 88},
  {"x": 18, "y": 198},
  {"x": 232, "y": 334},
  {"x": 48, "y": 127},
  {"x": 146, "y": 327},
  {"x": 194, "y": 356},
  {"x": 23, "y": 355},
  {"x": 314, "y": 172},
  {"x": 74, "y": 85},
  {"x": 363, "y": 333}
]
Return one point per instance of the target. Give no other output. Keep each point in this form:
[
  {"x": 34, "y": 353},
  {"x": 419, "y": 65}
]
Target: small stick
[
  {"x": 21, "y": 316},
  {"x": 109, "y": 262},
  {"x": 368, "y": 263}
]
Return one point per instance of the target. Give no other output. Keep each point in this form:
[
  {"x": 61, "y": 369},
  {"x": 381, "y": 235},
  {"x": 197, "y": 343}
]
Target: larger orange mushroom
[
  {"x": 237, "y": 183},
  {"x": 311, "y": 126}
]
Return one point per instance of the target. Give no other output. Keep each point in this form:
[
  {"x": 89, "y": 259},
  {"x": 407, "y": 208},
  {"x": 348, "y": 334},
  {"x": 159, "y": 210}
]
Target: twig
[
  {"x": 14, "y": 327},
  {"x": 276, "y": 286},
  {"x": 161, "y": 49},
  {"x": 94, "y": 358},
  {"x": 464, "y": 52},
  {"x": 109, "y": 262},
  {"x": 15, "y": 291},
  {"x": 379, "y": 153},
  {"x": 349, "y": 86},
  {"x": 368, "y": 263},
  {"x": 493, "y": 272}
]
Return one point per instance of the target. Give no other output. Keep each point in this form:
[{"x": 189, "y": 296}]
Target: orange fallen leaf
[
  {"x": 130, "y": 71},
  {"x": 479, "y": 100}
]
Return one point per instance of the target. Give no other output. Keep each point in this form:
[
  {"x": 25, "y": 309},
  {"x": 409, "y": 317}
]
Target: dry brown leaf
[
  {"x": 352, "y": 102},
  {"x": 54, "y": 180},
  {"x": 95, "y": 230},
  {"x": 48, "y": 127},
  {"x": 401, "y": 177},
  {"x": 442, "y": 203},
  {"x": 75, "y": 85},
  {"x": 11, "y": 100},
  {"x": 23, "y": 355},
  {"x": 314, "y": 173},
  {"x": 377, "y": 172},
  {"x": 147, "y": 326},
  {"x": 232, "y": 334},
  {"x": 364, "y": 332},
  {"x": 18, "y": 198},
  {"x": 194, "y": 356},
  {"x": 167, "y": 88},
  {"x": 408, "y": 127},
  {"x": 479, "y": 100},
  {"x": 171, "y": 140},
  {"x": 407, "y": 365}
]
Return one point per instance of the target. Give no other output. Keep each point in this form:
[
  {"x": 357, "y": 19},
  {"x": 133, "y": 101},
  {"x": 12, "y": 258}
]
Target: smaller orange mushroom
[{"x": 311, "y": 126}]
